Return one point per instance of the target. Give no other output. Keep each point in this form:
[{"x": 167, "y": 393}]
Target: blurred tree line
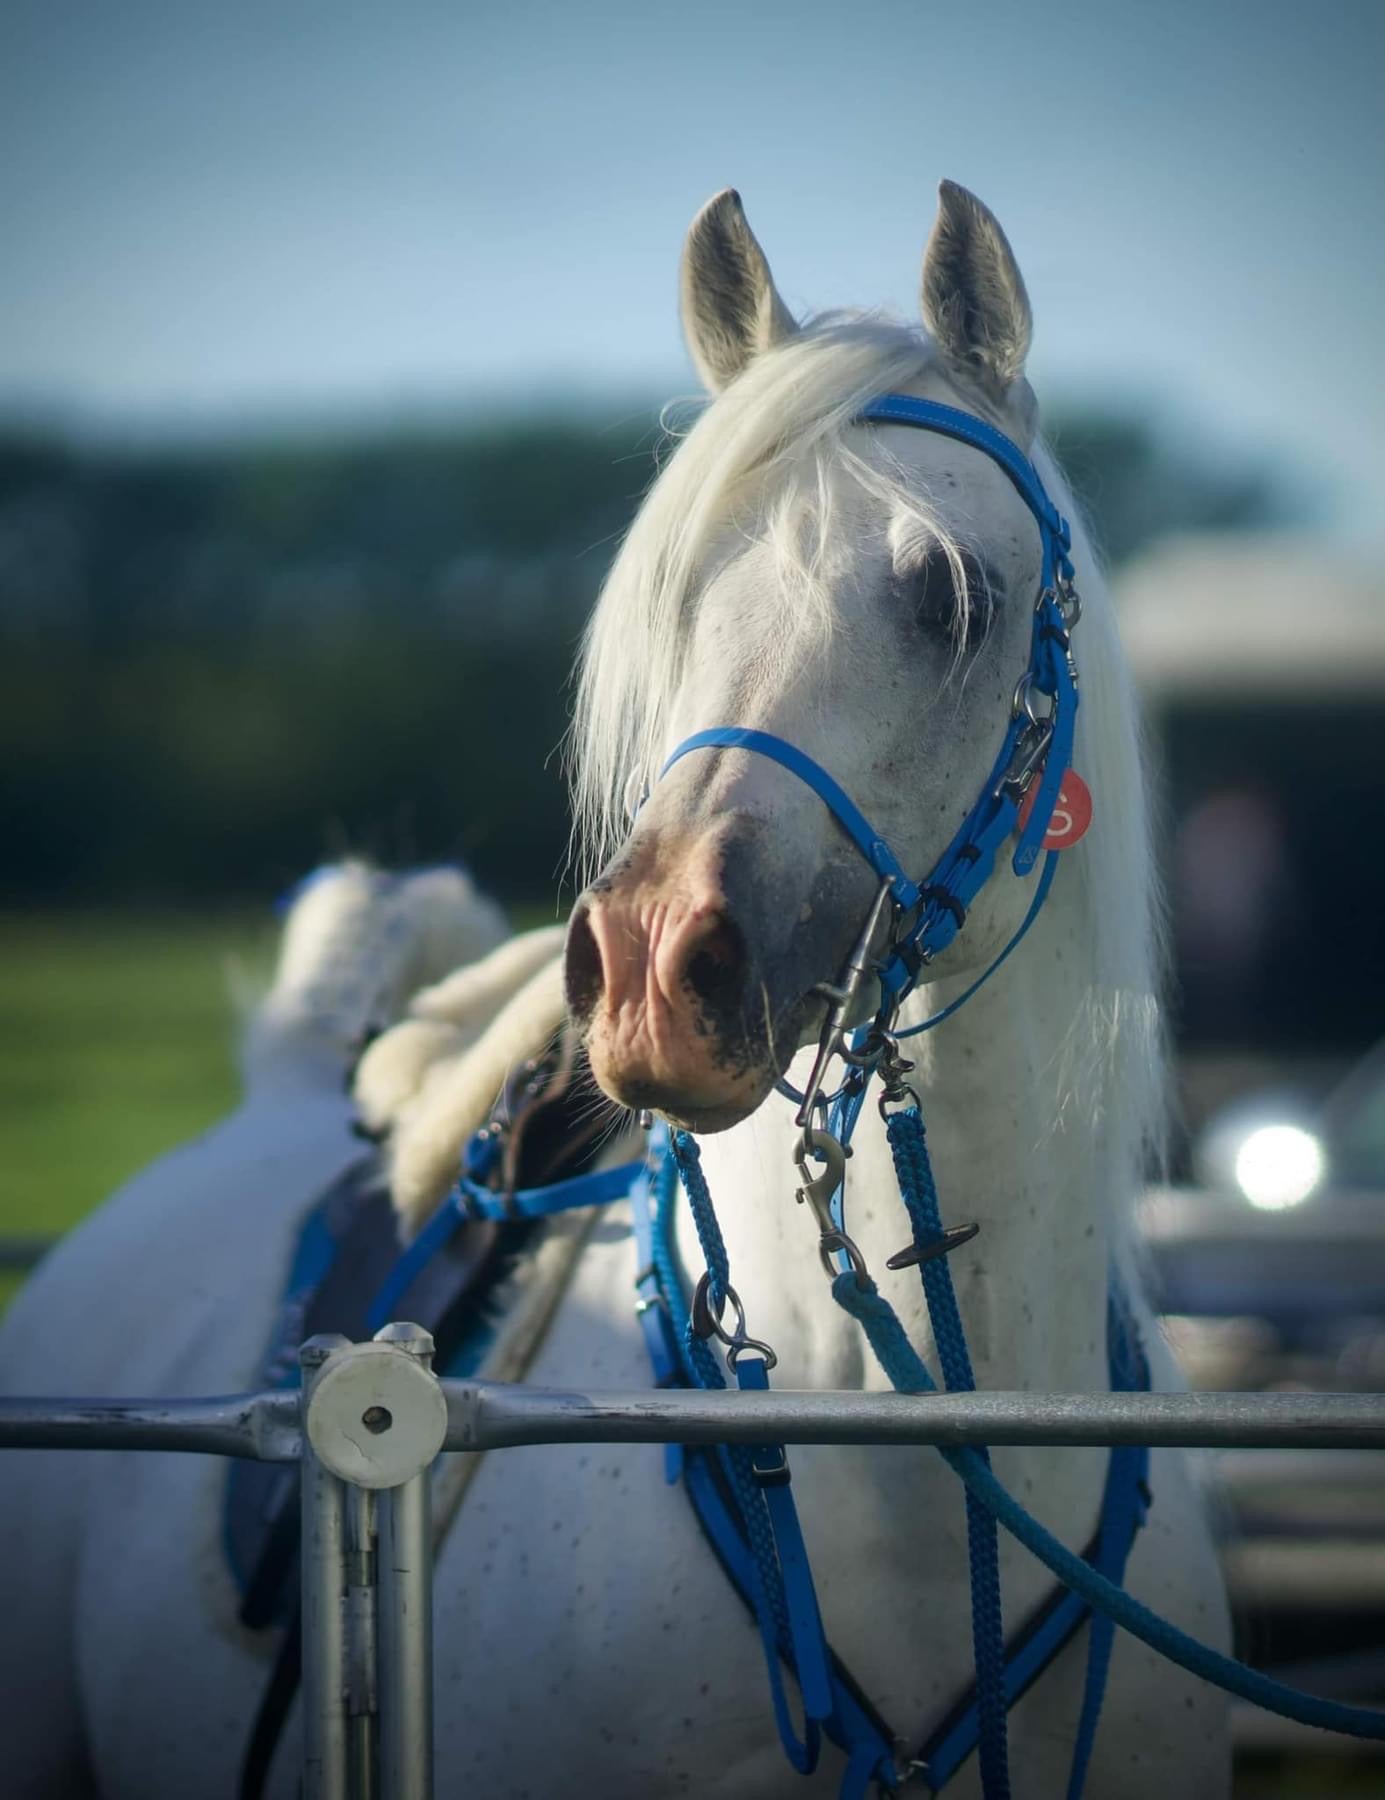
[{"x": 220, "y": 665}]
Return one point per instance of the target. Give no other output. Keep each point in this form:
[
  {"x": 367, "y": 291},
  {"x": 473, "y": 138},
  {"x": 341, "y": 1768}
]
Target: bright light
[{"x": 1279, "y": 1166}]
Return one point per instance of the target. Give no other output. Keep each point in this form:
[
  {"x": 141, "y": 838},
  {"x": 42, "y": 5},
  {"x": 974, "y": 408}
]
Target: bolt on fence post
[
  {"x": 404, "y": 1573},
  {"x": 326, "y": 1749}
]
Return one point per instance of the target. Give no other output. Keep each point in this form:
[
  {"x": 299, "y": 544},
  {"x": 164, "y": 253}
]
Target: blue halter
[
  {"x": 1037, "y": 745},
  {"x": 771, "y": 1565},
  {"x": 753, "y": 1525}
]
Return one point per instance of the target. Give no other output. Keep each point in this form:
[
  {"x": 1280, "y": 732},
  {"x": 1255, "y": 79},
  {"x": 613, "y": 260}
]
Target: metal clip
[
  {"x": 817, "y": 1191},
  {"x": 894, "y": 1066},
  {"x": 1028, "y": 758}
]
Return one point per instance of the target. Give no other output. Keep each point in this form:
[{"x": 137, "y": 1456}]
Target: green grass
[{"x": 116, "y": 1042}]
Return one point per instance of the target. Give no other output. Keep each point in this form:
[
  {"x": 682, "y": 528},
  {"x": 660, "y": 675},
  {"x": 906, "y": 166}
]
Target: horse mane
[
  {"x": 768, "y": 453},
  {"x": 1112, "y": 1066}
]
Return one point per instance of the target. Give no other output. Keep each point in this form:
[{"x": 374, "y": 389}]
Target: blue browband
[{"x": 1037, "y": 745}]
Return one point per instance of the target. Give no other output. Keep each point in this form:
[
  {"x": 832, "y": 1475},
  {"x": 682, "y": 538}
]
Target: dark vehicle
[{"x": 1271, "y": 1274}]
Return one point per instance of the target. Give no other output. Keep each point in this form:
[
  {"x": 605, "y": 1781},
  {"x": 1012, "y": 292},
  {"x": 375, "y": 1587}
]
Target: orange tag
[{"x": 1071, "y": 816}]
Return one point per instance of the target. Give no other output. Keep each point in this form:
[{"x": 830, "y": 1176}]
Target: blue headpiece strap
[{"x": 966, "y": 428}]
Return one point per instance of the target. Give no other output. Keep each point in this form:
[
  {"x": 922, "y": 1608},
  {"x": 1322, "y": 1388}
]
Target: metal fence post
[
  {"x": 326, "y": 1749},
  {"x": 405, "y": 1574},
  {"x": 376, "y": 1419}
]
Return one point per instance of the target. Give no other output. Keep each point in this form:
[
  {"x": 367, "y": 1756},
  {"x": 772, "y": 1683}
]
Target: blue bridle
[
  {"x": 753, "y": 1525},
  {"x": 1037, "y": 745}
]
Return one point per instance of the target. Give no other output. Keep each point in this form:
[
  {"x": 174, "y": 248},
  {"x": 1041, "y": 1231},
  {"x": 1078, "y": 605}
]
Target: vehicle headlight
[{"x": 1279, "y": 1166}]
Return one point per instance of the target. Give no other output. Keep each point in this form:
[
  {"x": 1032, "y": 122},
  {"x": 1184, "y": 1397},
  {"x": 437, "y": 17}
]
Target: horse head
[{"x": 864, "y": 592}]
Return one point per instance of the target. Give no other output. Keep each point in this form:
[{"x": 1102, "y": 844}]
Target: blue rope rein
[
  {"x": 908, "y": 1373},
  {"x": 908, "y": 1147},
  {"x": 1110, "y": 1603},
  {"x": 703, "y": 1366},
  {"x": 689, "y": 1160},
  {"x": 737, "y": 1460}
]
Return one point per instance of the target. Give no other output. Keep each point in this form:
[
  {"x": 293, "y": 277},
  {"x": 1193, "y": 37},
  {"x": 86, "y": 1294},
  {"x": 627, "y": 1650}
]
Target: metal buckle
[{"x": 774, "y": 1474}]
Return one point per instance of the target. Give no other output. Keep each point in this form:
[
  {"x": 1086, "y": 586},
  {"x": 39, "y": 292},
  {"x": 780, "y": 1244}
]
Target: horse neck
[
  {"x": 1021, "y": 1144},
  {"x": 1009, "y": 1151}
]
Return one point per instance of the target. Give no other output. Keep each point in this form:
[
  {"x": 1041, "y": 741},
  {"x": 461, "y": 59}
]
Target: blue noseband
[{"x": 1037, "y": 745}]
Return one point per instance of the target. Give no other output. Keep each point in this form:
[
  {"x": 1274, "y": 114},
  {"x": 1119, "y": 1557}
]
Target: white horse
[{"x": 865, "y": 592}]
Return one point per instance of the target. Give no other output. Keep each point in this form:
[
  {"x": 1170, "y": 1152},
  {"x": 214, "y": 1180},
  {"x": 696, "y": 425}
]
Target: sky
[{"x": 285, "y": 208}]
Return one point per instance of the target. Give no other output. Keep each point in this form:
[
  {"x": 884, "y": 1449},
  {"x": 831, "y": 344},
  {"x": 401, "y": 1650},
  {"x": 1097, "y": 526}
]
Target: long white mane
[{"x": 767, "y": 459}]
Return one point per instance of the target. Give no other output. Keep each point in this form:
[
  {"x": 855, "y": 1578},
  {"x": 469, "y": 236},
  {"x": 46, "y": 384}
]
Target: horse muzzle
[{"x": 691, "y": 965}]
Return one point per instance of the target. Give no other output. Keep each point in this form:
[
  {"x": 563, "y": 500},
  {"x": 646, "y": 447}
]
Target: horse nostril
[
  {"x": 716, "y": 966},
  {"x": 583, "y": 972}
]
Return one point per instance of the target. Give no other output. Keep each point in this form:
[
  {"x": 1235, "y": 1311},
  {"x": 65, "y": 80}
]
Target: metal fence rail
[
  {"x": 371, "y": 1420},
  {"x": 488, "y": 1415}
]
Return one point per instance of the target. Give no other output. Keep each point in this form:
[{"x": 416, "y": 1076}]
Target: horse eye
[{"x": 929, "y": 592}]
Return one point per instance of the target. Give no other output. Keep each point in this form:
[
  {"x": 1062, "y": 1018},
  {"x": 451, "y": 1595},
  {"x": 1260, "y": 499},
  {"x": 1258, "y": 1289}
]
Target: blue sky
[{"x": 211, "y": 212}]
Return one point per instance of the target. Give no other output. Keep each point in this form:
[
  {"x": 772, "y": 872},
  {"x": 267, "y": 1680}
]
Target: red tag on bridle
[{"x": 1072, "y": 813}]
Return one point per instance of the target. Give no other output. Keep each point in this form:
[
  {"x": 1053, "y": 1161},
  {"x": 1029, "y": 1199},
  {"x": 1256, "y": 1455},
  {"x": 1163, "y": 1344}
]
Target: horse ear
[
  {"x": 731, "y": 307},
  {"x": 974, "y": 301}
]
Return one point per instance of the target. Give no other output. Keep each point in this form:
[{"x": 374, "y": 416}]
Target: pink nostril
[{"x": 582, "y": 968}]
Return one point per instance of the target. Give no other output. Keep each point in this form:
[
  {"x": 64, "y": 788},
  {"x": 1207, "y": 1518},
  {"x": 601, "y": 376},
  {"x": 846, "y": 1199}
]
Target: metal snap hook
[
  {"x": 894, "y": 1066},
  {"x": 817, "y": 1190},
  {"x": 899, "y": 1093}
]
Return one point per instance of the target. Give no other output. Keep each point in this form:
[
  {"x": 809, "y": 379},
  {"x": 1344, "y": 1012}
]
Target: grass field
[{"x": 117, "y": 1040}]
